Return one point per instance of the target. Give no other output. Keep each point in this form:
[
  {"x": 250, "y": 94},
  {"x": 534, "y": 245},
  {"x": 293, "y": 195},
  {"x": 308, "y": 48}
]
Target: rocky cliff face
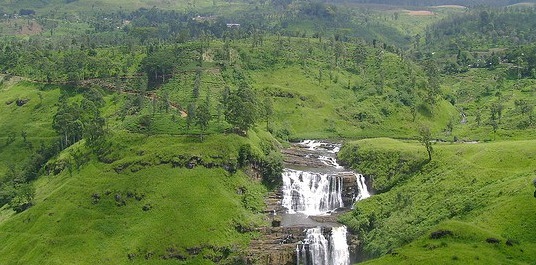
[
  {"x": 275, "y": 246},
  {"x": 349, "y": 188}
]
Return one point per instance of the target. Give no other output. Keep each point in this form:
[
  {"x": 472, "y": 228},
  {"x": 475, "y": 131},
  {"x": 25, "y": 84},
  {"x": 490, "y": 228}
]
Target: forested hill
[{"x": 443, "y": 2}]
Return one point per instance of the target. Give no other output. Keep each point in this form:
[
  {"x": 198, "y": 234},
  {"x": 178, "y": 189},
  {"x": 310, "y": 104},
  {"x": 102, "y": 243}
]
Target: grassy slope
[
  {"x": 477, "y": 191},
  {"x": 476, "y": 91},
  {"x": 190, "y": 208},
  {"x": 327, "y": 110},
  {"x": 34, "y": 118}
]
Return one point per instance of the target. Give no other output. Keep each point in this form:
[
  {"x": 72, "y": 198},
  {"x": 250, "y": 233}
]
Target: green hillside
[
  {"x": 149, "y": 131},
  {"x": 473, "y": 203}
]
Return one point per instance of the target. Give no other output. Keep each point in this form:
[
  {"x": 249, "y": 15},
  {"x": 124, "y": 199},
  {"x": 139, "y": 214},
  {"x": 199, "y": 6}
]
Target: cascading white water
[
  {"x": 317, "y": 250},
  {"x": 311, "y": 193},
  {"x": 330, "y": 161},
  {"x": 362, "y": 186},
  {"x": 318, "y": 193},
  {"x": 339, "y": 247}
]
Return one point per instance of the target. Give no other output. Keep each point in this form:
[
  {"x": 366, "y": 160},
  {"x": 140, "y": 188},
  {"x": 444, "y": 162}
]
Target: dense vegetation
[
  {"x": 161, "y": 125},
  {"x": 476, "y": 192}
]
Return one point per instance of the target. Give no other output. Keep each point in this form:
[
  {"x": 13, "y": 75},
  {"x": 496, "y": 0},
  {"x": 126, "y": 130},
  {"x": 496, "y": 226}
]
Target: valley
[{"x": 267, "y": 132}]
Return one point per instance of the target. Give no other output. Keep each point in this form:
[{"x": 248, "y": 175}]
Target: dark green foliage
[
  {"x": 245, "y": 155},
  {"x": 270, "y": 164},
  {"x": 426, "y": 140},
  {"x": 386, "y": 168},
  {"x": 145, "y": 123},
  {"x": 267, "y": 111},
  {"x": 272, "y": 168},
  {"x": 22, "y": 197},
  {"x": 202, "y": 116},
  {"x": 241, "y": 108},
  {"x": 158, "y": 66},
  {"x": 191, "y": 118},
  {"x": 16, "y": 186},
  {"x": 76, "y": 120}
]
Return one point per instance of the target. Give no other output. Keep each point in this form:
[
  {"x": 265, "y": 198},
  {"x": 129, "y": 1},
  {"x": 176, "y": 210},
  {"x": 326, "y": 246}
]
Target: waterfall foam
[
  {"x": 319, "y": 192},
  {"x": 339, "y": 247},
  {"x": 317, "y": 250},
  {"x": 311, "y": 193},
  {"x": 362, "y": 186}
]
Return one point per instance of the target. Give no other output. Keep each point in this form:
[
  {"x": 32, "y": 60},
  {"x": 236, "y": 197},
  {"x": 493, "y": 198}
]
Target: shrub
[{"x": 440, "y": 234}]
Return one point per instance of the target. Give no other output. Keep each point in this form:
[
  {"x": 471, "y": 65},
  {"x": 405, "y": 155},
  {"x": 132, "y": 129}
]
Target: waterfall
[
  {"x": 339, "y": 247},
  {"x": 311, "y": 193},
  {"x": 362, "y": 186},
  {"x": 319, "y": 192},
  {"x": 317, "y": 250}
]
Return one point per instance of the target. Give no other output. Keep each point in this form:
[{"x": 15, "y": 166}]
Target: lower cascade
[{"x": 317, "y": 250}]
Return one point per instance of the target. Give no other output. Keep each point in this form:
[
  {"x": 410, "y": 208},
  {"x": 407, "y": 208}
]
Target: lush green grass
[
  {"x": 96, "y": 202},
  {"x": 189, "y": 208},
  {"x": 476, "y": 191},
  {"x": 34, "y": 118},
  {"x": 477, "y": 90}
]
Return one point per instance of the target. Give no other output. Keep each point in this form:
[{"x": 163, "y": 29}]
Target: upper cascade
[
  {"x": 319, "y": 191},
  {"x": 311, "y": 193}
]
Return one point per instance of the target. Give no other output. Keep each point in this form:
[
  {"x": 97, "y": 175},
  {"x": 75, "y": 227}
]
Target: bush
[
  {"x": 272, "y": 168},
  {"x": 440, "y": 234}
]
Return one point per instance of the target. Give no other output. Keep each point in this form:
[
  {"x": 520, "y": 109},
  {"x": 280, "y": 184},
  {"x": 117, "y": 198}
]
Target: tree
[
  {"x": 241, "y": 111},
  {"x": 145, "y": 123},
  {"x": 426, "y": 140},
  {"x": 191, "y": 115},
  {"x": 158, "y": 66},
  {"x": 432, "y": 88},
  {"x": 23, "y": 196},
  {"x": 67, "y": 123},
  {"x": 202, "y": 117},
  {"x": 272, "y": 167},
  {"x": 496, "y": 111},
  {"x": 478, "y": 117},
  {"x": 197, "y": 83},
  {"x": 267, "y": 110}
]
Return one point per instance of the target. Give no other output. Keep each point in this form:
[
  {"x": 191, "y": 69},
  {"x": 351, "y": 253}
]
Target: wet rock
[
  {"x": 298, "y": 157},
  {"x": 276, "y": 221},
  {"x": 275, "y": 246}
]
